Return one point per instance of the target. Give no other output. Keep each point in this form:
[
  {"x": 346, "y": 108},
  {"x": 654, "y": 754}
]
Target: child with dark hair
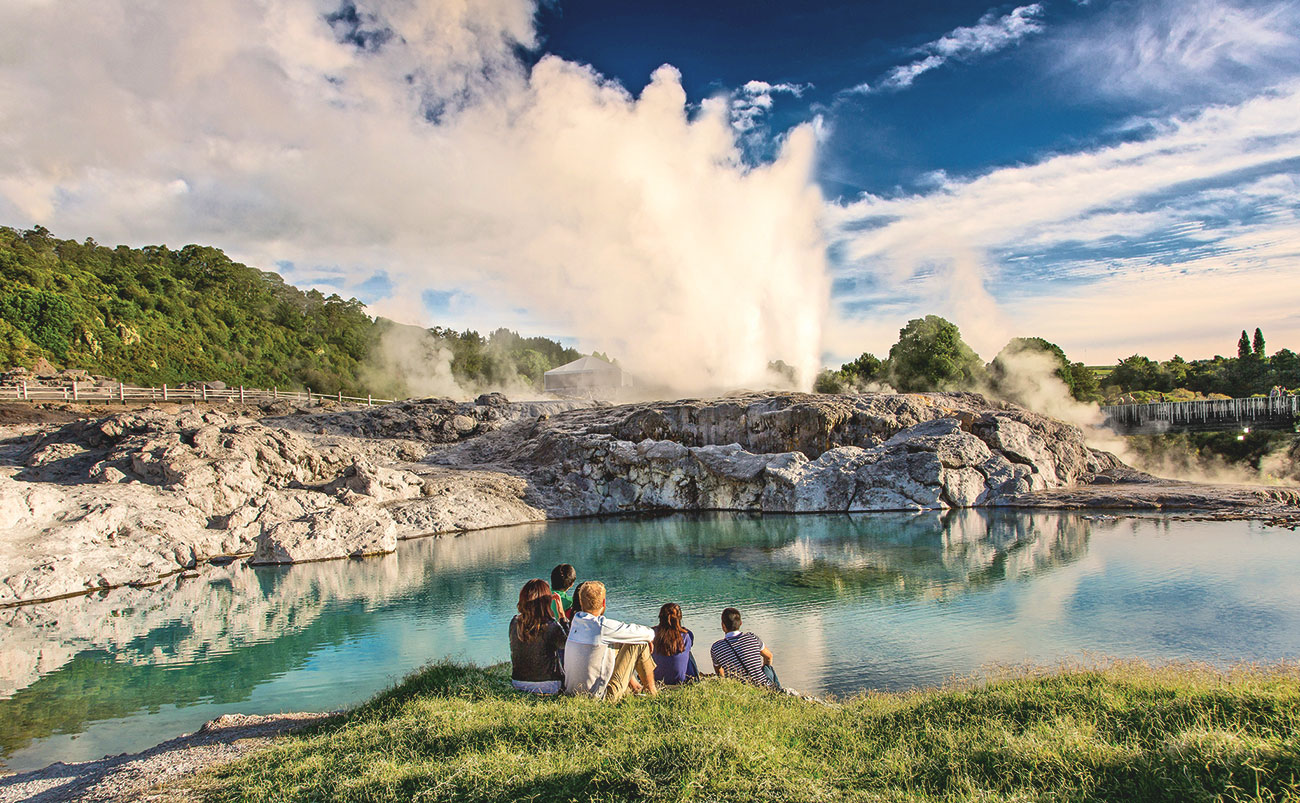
[{"x": 562, "y": 579}]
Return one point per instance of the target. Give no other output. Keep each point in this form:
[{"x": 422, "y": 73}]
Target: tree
[
  {"x": 1258, "y": 345},
  {"x": 829, "y": 381},
  {"x": 866, "y": 368},
  {"x": 1243, "y": 346},
  {"x": 930, "y": 355}
]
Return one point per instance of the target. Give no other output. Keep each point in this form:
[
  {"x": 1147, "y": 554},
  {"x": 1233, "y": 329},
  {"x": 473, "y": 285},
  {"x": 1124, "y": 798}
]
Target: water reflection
[{"x": 846, "y": 602}]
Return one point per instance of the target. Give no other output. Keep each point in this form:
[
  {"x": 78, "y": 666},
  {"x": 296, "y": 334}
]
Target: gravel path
[{"x": 145, "y": 776}]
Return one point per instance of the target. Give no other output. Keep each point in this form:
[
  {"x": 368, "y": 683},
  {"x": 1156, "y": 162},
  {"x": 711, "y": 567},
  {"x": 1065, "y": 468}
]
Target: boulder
[{"x": 335, "y": 533}]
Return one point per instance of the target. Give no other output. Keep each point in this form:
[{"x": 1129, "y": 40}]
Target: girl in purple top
[{"x": 671, "y": 649}]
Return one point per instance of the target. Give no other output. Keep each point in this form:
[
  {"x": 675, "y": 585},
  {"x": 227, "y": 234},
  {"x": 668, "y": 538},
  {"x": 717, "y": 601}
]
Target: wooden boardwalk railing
[
  {"x": 1272, "y": 412},
  {"x": 80, "y": 392}
]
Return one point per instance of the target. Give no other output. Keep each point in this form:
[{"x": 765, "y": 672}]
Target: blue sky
[{"x": 703, "y": 184}]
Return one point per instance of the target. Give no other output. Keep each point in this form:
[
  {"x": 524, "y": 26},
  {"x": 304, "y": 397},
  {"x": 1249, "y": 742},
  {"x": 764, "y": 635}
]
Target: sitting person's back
[
  {"x": 535, "y": 642},
  {"x": 672, "y": 648},
  {"x": 601, "y": 653},
  {"x": 742, "y": 655}
]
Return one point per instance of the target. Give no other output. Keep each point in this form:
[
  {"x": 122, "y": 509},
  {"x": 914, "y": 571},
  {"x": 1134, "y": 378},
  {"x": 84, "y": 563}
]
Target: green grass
[{"x": 1121, "y": 732}]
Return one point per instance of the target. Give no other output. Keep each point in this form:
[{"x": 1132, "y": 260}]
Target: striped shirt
[{"x": 741, "y": 656}]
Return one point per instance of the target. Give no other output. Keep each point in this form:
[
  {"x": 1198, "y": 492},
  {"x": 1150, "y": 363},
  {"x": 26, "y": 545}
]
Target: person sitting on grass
[
  {"x": 671, "y": 651},
  {"x": 602, "y": 653},
  {"x": 742, "y": 655},
  {"x": 562, "y": 578},
  {"x": 536, "y": 641}
]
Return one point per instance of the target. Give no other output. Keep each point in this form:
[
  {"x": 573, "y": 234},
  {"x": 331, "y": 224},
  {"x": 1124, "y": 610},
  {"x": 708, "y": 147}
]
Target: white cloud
[
  {"x": 1213, "y": 195},
  {"x": 752, "y": 101},
  {"x": 620, "y": 220},
  {"x": 1177, "y": 46},
  {"x": 991, "y": 34}
]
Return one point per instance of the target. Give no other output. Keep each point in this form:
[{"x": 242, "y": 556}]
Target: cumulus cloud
[
  {"x": 991, "y": 34},
  {"x": 1115, "y": 246},
  {"x": 1175, "y": 46},
  {"x": 408, "y": 138}
]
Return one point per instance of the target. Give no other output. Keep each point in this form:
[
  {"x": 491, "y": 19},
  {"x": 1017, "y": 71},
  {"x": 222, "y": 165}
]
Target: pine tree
[
  {"x": 1243, "y": 346},
  {"x": 1259, "y": 344}
]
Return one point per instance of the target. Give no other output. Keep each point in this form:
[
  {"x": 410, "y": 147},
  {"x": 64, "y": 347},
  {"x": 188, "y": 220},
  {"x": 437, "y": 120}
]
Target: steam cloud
[{"x": 408, "y": 138}]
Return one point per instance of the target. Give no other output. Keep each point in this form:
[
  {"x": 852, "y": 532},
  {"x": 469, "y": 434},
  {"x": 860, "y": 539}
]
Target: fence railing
[
  {"x": 84, "y": 392},
  {"x": 1205, "y": 412}
]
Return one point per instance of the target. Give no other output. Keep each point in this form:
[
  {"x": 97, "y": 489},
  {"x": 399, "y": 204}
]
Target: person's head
[
  {"x": 577, "y": 597},
  {"x": 670, "y": 636},
  {"x": 730, "y": 620},
  {"x": 592, "y": 597},
  {"x": 534, "y": 608},
  {"x": 562, "y": 577}
]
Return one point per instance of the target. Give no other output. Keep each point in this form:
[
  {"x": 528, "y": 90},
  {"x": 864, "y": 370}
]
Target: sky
[{"x": 696, "y": 187}]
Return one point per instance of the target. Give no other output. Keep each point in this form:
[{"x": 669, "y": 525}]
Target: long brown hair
[
  {"x": 534, "y": 608},
  {"x": 670, "y": 636}
]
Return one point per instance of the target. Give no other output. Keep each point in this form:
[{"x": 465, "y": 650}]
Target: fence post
[
  {"x": 340, "y": 395},
  {"x": 370, "y": 400},
  {"x": 74, "y": 390},
  {"x": 121, "y": 392},
  {"x": 309, "y": 394},
  {"x": 275, "y": 393},
  {"x": 164, "y": 391},
  {"x": 204, "y": 387},
  {"x": 24, "y": 386},
  {"x": 241, "y": 394}
]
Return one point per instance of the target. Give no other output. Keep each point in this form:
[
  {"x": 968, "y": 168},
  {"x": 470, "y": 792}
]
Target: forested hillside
[{"x": 156, "y": 315}]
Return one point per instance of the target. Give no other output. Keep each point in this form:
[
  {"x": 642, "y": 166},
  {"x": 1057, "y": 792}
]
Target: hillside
[{"x": 155, "y": 315}]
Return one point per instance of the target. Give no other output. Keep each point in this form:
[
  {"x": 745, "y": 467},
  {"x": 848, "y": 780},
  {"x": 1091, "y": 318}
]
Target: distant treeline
[
  {"x": 154, "y": 315},
  {"x": 931, "y": 355}
]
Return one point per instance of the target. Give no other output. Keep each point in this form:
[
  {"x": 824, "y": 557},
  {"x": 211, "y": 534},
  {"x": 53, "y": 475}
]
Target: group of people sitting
[{"x": 565, "y": 643}]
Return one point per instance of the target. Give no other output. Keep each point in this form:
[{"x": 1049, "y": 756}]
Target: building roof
[{"x": 585, "y": 365}]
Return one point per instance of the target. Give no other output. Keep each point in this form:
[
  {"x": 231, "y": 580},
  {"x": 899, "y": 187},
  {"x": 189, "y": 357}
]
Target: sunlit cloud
[
  {"x": 991, "y": 34},
  {"x": 1214, "y": 194}
]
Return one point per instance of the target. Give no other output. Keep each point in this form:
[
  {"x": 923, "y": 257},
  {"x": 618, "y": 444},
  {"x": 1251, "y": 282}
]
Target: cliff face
[
  {"x": 132, "y": 497},
  {"x": 788, "y": 452}
]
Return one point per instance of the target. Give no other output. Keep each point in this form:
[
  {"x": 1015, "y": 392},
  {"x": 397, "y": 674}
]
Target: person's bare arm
[
  {"x": 767, "y": 655},
  {"x": 719, "y": 671}
]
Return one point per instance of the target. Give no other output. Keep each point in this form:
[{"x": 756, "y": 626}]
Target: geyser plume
[{"x": 407, "y": 140}]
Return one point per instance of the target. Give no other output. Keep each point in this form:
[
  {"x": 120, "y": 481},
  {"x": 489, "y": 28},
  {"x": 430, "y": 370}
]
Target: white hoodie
[{"x": 588, "y": 657}]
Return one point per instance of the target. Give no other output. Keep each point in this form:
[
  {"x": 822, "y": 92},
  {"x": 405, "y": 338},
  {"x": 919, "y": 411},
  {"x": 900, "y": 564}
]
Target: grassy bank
[{"x": 1121, "y": 733}]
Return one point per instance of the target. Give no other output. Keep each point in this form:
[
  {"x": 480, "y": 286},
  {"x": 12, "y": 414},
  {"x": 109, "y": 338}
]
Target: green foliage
[
  {"x": 1007, "y": 370},
  {"x": 829, "y": 381},
  {"x": 866, "y": 368},
  {"x": 1250, "y": 373},
  {"x": 43, "y": 316},
  {"x": 153, "y": 315},
  {"x": 930, "y": 355},
  {"x": 1124, "y": 732}
]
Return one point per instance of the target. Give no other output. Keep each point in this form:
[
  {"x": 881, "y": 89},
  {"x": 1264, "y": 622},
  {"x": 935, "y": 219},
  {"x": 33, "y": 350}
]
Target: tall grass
[{"x": 1122, "y": 732}]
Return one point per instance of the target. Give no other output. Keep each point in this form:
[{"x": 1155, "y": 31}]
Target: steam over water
[{"x": 883, "y": 601}]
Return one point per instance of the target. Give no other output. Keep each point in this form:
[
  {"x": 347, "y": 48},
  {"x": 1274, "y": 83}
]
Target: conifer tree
[
  {"x": 1259, "y": 344},
  {"x": 1243, "y": 346}
]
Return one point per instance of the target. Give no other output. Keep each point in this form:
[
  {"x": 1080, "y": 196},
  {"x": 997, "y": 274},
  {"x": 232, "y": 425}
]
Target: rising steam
[{"x": 408, "y": 140}]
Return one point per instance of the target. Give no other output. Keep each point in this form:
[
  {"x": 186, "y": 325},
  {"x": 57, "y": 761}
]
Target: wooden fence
[{"x": 84, "y": 392}]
